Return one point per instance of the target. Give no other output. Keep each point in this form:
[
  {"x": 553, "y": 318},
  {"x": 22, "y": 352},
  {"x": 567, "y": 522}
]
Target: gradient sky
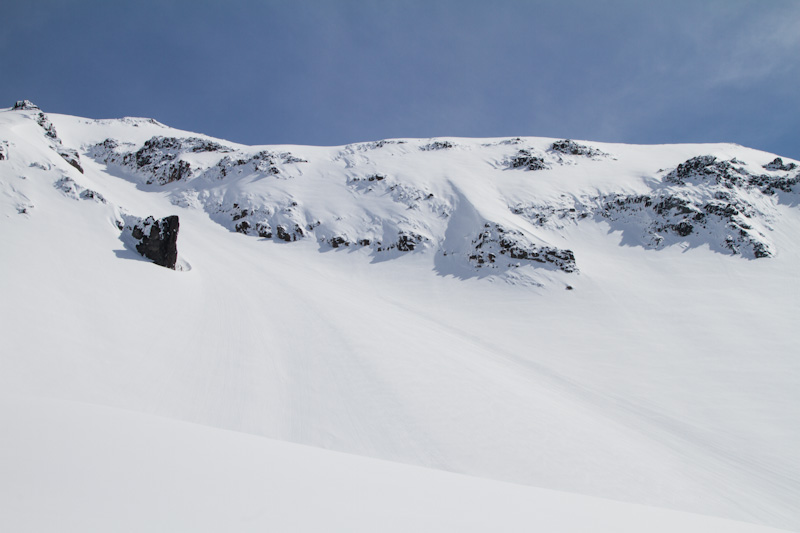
[{"x": 334, "y": 72}]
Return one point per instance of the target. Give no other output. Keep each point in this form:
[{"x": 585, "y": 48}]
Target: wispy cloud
[{"x": 764, "y": 46}]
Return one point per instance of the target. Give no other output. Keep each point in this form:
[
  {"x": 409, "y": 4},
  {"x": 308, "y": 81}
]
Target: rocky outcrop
[
  {"x": 526, "y": 160},
  {"x": 703, "y": 200},
  {"x": 532, "y": 159},
  {"x": 72, "y": 190},
  {"x": 338, "y": 241},
  {"x": 496, "y": 244},
  {"x": 406, "y": 242},
  {"x": 380, "y": 144},
  {"x": 437, "y": 145},
  {"x": 725, "y": 220},
  {"x": 777, "y": 164},
  {"x": 25, "y": 105},
  {"x": 351, "y": 153},
  {"x": 70, "y": 155},
  {"x": 284, "y": 234},
  {"x": 47, "y": 126},
  {"x": 155, "y": 239},
  {"x": 570, "y": 147},
  {"x": 161, "y": 159},
  {"x": 264, "y": 162},
  {"x": 261, "y": 221},
  {"x": 770, "y": 185},
  {"x": 706, "y": 169}
]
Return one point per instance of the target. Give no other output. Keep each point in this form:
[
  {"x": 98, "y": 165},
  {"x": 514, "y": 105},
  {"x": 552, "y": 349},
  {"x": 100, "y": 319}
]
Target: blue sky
[{"x": 334, "y": 72}]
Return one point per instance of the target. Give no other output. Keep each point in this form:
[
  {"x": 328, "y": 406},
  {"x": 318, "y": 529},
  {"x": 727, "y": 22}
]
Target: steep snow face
[
  {"x": 464, "y": 199},
  {"x": 340, "y": 297}
]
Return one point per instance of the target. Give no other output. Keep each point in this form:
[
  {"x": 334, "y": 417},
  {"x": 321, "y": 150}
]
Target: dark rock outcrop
[
  {"x": 338, "y": 241},
  {"x": 437, "y": 145},
  {"x": 702, "y": 200},
  {"x": 72, "y": 190},
  {"x": 49, "y": 129},
  {"x": 25, "y": 105},
  {"x": 524, "y": 159},
  {"x": 160, "y": 159},
  {"x": 406, "y": 242},
  {"x": 495, "y": 242},
  {"x": 156, "y": 239},
  {"x": 777, "y": 164},
  {"x": 570, "y": 147},
  {"x": 263, "y": 230},
  {"x": 706, "y": 169},
  {"x": 283, "y": 233},
  {"x": 71, "y": 156}
]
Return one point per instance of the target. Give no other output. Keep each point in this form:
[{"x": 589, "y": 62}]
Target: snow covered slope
[
  {"x": 75, "y": 467},
  {"x": 418, "y": 311}
]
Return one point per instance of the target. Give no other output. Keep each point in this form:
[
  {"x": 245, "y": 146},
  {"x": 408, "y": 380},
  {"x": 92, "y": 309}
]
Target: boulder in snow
[{"x": 155, "y": 239}]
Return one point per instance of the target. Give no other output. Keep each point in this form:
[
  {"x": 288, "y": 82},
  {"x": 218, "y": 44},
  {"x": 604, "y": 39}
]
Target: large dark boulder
[{"x": 157, "y": 239}]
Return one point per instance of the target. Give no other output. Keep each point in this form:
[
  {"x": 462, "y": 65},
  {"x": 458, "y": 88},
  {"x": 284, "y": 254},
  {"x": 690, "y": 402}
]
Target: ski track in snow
[{"x": 715, "y": 464}]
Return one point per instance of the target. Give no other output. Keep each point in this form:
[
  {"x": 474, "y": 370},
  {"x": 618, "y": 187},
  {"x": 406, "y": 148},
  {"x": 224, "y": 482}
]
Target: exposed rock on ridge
[
  {"x": 70, "y": 155},
  {"x": 702, "y": 201},
  {"x": 161, "y": 159}
]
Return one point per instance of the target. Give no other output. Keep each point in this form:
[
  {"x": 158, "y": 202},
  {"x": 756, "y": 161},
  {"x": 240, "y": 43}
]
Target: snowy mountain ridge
[
  {"x": 403, "y": 195},
  {"x": 704, "y": 200}
]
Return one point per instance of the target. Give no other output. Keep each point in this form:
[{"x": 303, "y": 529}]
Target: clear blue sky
[{"x": 334, "y": 72}]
